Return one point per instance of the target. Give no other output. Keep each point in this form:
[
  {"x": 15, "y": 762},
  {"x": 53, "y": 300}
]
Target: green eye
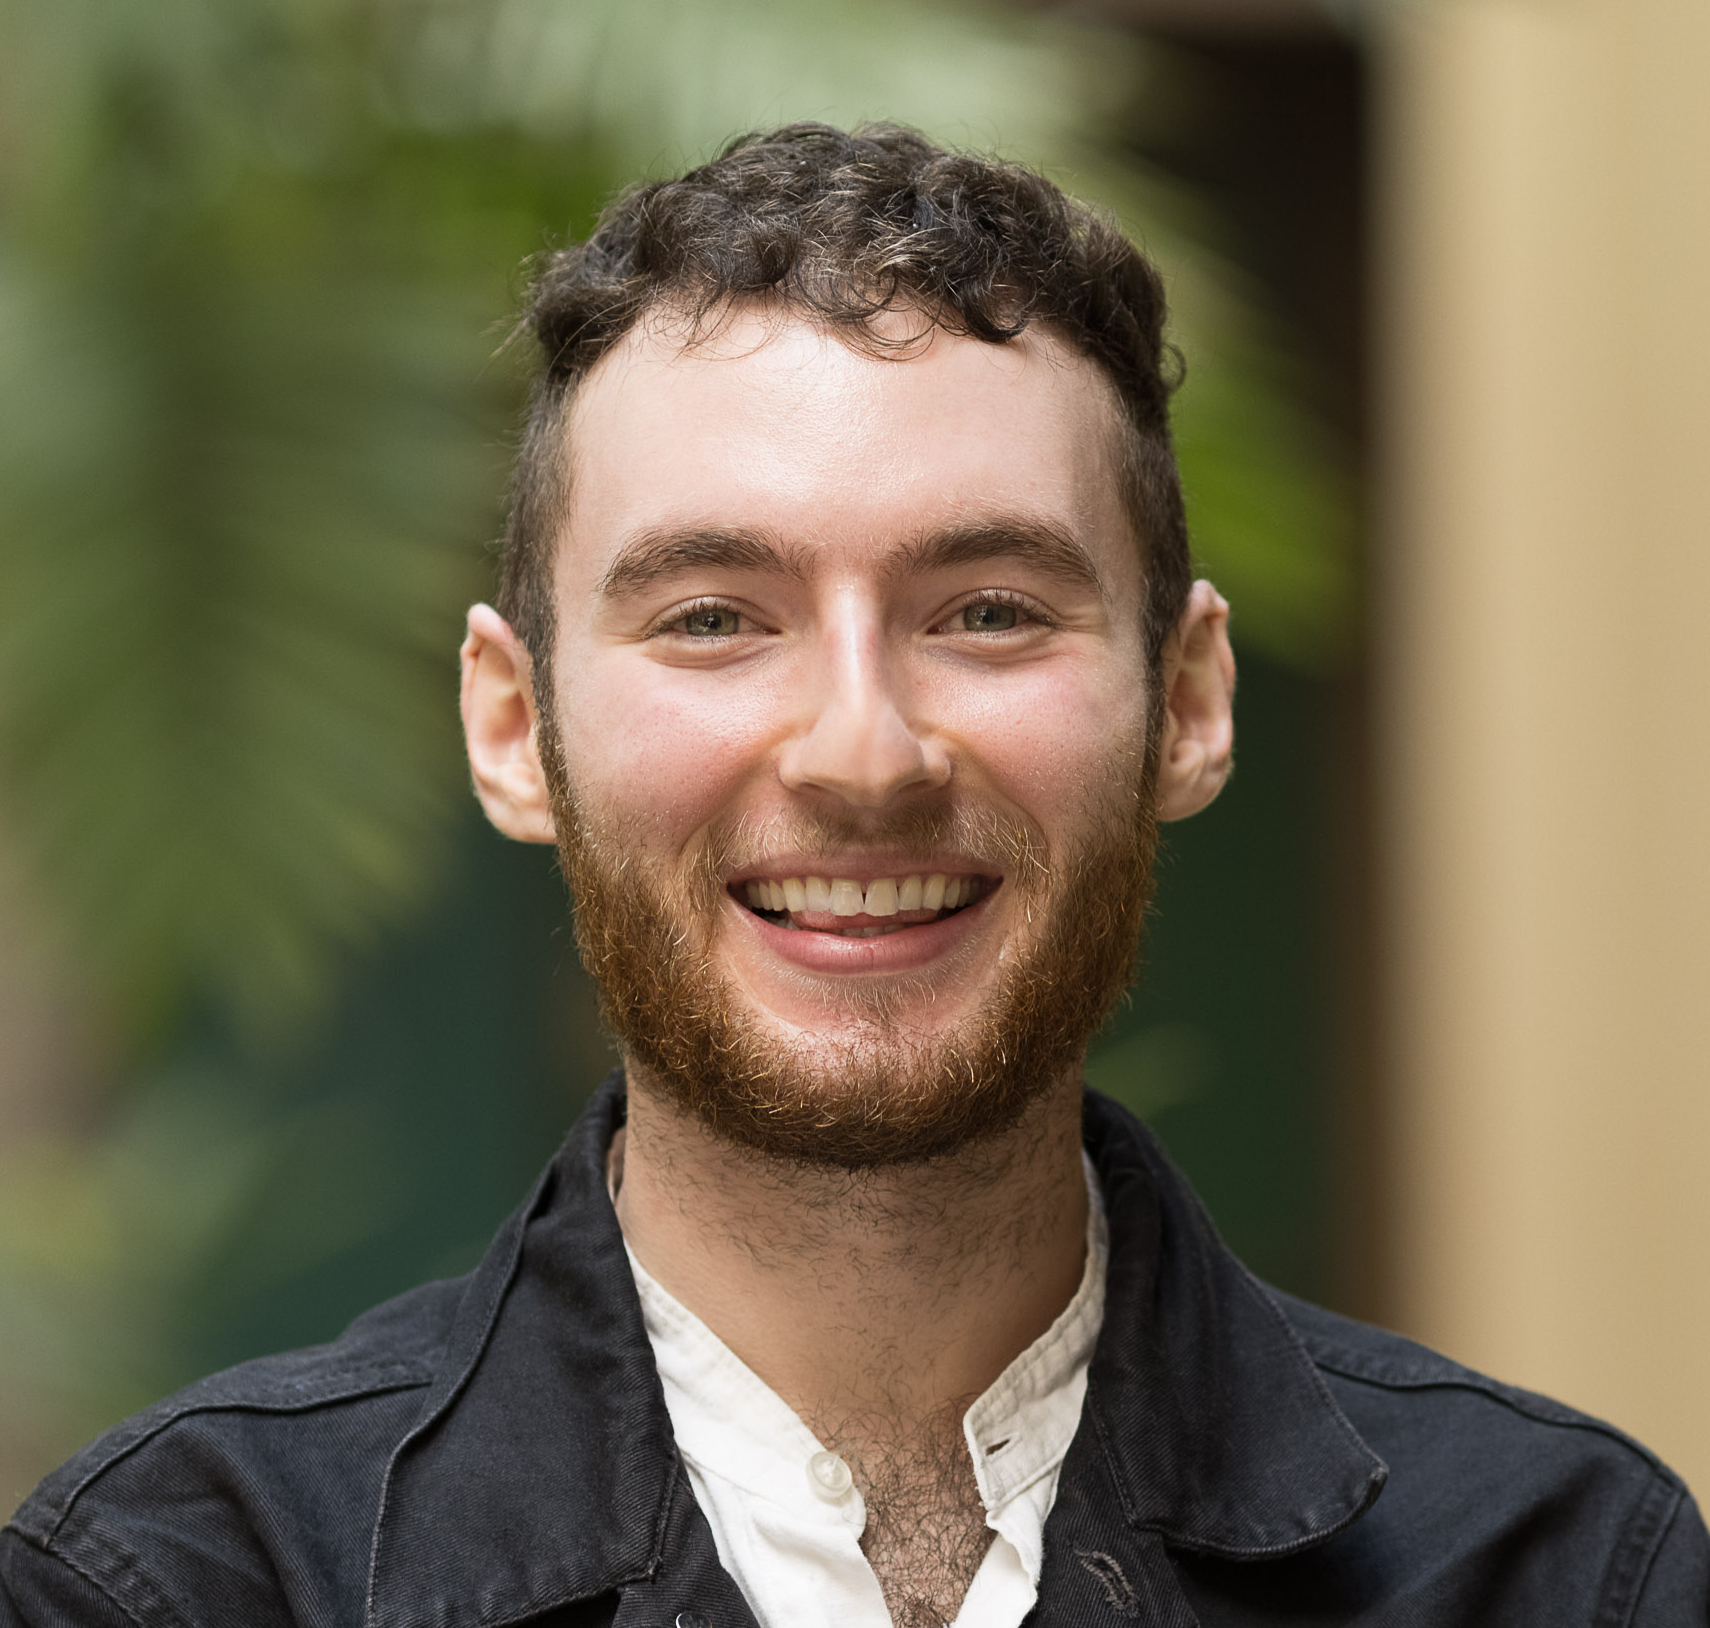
[
  {"x": 710, "y": 622},
  {"x": 991, "y": 616}
]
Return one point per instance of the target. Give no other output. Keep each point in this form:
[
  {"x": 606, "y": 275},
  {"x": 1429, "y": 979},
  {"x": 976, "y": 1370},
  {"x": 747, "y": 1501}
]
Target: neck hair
[{"x": 890, "y": 1292}]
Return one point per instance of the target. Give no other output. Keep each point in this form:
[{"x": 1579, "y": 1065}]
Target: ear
[
  {"x": 499, "y": 728},
  {"x": 1199, "y": 694}
]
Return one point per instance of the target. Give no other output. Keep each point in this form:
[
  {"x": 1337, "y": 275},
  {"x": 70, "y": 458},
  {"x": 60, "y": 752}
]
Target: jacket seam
[
  {"x": 1246, "y": 1551},
  {"x": 679, "y": 1476},
  {"x": 1632, "y": 1558},
  {"x": 1091, "y": 1407},
  {"x": 191, "y": 1409},
  {"x": 1540, "y": 1411},
  {"x": 489, "y": 1316},
  {"x": 1298, "y": 1344},
  {"x": 156, "y": 1606}
]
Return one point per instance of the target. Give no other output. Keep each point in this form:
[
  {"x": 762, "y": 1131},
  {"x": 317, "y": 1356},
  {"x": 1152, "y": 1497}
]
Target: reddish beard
[{"x": 884, "y": 1097}]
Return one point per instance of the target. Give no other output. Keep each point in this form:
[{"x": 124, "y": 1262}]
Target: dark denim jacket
[{"x": 496, "y": 1450}]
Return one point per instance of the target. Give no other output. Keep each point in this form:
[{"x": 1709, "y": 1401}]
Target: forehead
[{"x": 777, "y": 425}]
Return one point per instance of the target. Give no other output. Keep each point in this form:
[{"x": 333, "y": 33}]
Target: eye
[
  {"x": 989, "y": 616},
  {"x": 707, "y": 622},
  {"x": 996, "y": 611}
]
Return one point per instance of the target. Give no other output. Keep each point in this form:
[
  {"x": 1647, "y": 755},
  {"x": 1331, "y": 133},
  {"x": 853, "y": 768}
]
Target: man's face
[{"x": 850, "y": 692}]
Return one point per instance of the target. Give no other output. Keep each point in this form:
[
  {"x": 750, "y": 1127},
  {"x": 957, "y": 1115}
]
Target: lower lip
[{"x": 901, "y": 951}]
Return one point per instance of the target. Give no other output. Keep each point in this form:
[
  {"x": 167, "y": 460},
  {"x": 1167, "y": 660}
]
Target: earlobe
[
  {"x": 1198, "y": 745},
  {"x": 499, "y": 729}
]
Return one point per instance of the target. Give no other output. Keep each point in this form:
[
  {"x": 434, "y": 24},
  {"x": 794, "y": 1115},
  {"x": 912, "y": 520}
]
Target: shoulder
[
  {"x": 1401, "y": 1385},
  {"x": 285, "y": 1456},
  {"x": 1494, "y": 1471}
]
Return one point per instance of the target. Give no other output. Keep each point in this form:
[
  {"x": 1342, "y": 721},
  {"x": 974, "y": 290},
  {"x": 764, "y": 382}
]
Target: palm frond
[{"x": 252, "y": 254}]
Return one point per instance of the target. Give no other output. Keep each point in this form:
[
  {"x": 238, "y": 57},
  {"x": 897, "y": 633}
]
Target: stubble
[{"x": 868, "y": 1093}]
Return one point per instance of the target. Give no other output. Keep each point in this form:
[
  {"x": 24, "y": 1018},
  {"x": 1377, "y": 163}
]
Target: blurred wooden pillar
[{"x": 1544, "y": 635}]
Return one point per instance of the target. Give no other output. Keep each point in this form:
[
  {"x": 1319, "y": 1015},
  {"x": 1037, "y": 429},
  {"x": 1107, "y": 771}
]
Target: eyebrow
[
  {"x": 654, "y": 555},
  {"x": 1033, "y": 542},
  {"x": 657, "y": 554}
]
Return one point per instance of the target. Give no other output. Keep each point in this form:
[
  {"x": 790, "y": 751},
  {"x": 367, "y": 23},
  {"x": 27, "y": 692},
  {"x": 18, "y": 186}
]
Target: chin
[{"x": 860, "y": 1033}]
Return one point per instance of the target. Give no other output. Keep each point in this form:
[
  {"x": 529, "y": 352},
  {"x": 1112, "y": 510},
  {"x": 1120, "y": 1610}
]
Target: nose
[{"x": 857, "y": 739}]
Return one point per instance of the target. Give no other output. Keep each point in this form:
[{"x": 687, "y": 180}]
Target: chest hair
[{"x": 926, "y": 1526}]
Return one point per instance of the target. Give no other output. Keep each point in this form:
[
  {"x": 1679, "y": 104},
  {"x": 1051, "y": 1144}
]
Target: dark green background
[{"x": 458, "y": 1052}]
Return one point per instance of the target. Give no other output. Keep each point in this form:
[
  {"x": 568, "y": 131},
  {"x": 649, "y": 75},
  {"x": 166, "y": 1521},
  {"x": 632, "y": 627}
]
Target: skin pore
[{"x": 825, "y": 614}]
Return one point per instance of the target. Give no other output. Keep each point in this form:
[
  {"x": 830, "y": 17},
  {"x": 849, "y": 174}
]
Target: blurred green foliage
[
  {"x": 256, "y": 261},
  {"x": 254, "y": 256}
]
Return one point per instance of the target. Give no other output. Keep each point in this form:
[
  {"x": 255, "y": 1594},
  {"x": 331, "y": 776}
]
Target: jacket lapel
[
  {"x": 691, "y": 1588},
  {"x": 542, "y": 1466},
  {"x": 542, "y": 1470},
  {"x": 1206, "y": 1426}
]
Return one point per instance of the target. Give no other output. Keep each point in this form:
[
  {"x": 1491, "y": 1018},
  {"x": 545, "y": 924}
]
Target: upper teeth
[{"x": 884, "y": 896}]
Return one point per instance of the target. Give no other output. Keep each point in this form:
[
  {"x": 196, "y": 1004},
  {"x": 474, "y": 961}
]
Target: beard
[{"x": 866, "y": 1093}]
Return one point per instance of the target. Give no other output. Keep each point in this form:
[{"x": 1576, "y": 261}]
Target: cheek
[
  {"x": 1046, "y": 737},
  {"x": 663, "y": 750}
]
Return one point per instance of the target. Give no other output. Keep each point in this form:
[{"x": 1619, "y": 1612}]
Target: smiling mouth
[{"x": 846, "y": 908}]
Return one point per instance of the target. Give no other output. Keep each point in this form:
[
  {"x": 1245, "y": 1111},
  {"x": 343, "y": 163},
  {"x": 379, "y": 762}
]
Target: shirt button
[
  {"x": 691, "y": 1619},
  {"x": 829, "y": 1476}
]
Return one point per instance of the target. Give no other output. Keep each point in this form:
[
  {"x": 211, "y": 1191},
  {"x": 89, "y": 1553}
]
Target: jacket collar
[
  {"x": 542, "y": 1470},
  {"x": 1213, "y": 1423}
]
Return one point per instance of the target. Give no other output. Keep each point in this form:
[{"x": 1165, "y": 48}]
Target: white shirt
[{"x": 787, "y": 1519}]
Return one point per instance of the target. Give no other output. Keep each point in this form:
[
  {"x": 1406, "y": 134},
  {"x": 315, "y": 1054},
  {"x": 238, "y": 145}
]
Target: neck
[{"x": 889, "y": 1295}]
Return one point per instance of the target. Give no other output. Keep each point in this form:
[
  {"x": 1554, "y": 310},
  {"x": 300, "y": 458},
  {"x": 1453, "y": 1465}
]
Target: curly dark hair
[{"x": 840, "y": 226}]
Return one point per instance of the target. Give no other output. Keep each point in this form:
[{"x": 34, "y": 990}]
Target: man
[{"x": 847, "y": 650}]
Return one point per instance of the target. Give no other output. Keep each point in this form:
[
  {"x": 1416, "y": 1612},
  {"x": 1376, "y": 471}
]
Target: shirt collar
[
  {"x": 1020, "y": 1427},
  {"x": 735, "y": 1427},
  {"x": 542, "y": 1470},
  {"x": 727, "y": 1420}
]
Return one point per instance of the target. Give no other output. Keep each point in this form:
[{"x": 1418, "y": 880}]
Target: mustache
[
  {"x": 874, "y": 1094},
  {"x": 999, "y": 836}
]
